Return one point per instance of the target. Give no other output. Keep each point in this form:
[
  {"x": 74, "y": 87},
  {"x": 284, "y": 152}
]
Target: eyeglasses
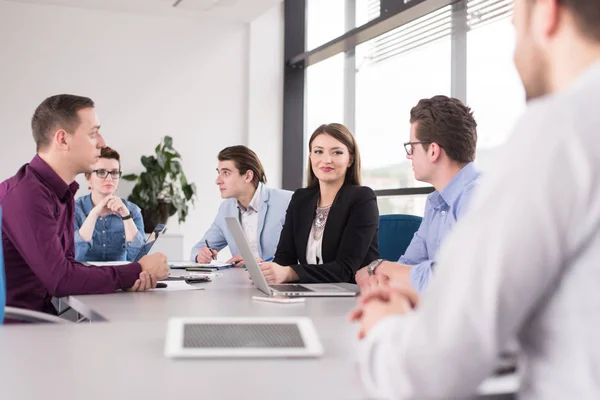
[
  {"x": 102, "y": 173},
  {"x": 410, "y": 146}
]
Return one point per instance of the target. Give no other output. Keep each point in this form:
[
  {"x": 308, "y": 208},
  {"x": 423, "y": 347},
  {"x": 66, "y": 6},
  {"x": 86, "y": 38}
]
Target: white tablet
[{"x": 242, "y": 337}]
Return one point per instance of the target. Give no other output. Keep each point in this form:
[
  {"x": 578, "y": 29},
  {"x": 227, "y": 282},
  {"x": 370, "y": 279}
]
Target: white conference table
[{"x": 123, "y": 358}]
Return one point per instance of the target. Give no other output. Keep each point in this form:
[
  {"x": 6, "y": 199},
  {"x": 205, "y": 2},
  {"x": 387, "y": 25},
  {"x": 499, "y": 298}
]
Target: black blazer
[{"x": 349, "y": 237}]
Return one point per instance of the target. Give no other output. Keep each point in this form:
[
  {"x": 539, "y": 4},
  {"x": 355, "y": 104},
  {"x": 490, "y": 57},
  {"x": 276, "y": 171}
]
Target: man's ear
[
  {"x": 435, "y": 150},
  {"x": 249, "y": 175},
  {"x": 548, "y": 17},
  {"x": 61, "y": 139}
]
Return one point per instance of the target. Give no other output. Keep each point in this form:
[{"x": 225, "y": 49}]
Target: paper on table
[
  {"x": 106, "y": 263},
  {"x": 175, "y": 286},
  {"x": 187, "y": 264},
  {"x": 218, "y": 263}
]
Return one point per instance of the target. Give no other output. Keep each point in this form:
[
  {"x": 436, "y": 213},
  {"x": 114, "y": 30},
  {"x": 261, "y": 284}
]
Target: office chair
[
  {"x": 19, "y": 314},
  {"x": 395, "y": 233}
]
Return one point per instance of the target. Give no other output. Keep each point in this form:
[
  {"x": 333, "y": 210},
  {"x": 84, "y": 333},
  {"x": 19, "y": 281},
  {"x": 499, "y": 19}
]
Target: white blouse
[{"x": 314, "y": 248}]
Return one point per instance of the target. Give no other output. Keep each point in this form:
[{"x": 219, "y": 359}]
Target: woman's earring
[{"x": 89, "y": 188}]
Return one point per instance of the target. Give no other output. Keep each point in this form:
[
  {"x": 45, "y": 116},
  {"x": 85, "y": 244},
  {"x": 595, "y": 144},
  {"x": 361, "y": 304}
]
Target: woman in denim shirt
[{"x": 107, "y": 228}]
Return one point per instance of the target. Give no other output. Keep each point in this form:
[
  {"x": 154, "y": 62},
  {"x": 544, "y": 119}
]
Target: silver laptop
[{"x": 286, "y": 289}]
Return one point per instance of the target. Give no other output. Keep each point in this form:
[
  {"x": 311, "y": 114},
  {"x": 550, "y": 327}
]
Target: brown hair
[
  {"x": 587, "y": 16},
  {"x": 449, "y": 123},
  {"x": 108, "y": 153},
  {"x": 244, "y": 160},
  {"x": 57, "y": 112},
  {"x": 340, "y": 133},
  {"x": 111, "y": 154}
]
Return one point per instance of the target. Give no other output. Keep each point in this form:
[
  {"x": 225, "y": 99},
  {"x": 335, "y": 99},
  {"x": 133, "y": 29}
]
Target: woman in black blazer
[{"x": 330, "y": 228}]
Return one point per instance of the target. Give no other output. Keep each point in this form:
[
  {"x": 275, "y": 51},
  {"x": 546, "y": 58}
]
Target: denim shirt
[{"x": 108, "y": 240}]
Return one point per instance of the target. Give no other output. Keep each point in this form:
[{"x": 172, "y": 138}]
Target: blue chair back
[
  {"x": 395, "y": 233},
  {"x": 2, "y": 280}
]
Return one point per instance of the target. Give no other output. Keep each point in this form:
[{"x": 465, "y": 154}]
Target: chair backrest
[
  {"x": 395, "y": 233},
  {"x": 2, "y": 280}
]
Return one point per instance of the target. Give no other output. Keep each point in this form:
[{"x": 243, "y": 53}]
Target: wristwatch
[
  {"x": 126, "y": 217},
  {"x": 374, "y": 264}
]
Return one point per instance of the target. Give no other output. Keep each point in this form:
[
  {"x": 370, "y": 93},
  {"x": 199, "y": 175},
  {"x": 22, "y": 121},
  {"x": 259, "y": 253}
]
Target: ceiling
[{"x": 228, "y": 10}]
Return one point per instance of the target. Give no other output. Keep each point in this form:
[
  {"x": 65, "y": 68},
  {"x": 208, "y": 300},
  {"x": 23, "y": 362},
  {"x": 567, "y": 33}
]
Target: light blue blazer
[{"x": 271, "y": 216}]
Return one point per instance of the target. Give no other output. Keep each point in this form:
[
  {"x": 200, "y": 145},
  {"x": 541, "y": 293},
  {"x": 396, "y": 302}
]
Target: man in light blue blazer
[{"x": 261, "y": 210}]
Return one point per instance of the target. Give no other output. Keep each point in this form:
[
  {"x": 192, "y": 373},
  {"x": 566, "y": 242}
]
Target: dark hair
[
  {"x": 57, "y": 112},
  {"x": 449, "y": 123},
  {"x": 110, "y": 154},
  {"x": 340, "y": 133},
  {"x": 587, "y": 16},
  {"x": 244, "y": 160}
]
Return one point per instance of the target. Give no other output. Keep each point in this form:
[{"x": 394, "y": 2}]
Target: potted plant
[{"x": 162, "y": 190}]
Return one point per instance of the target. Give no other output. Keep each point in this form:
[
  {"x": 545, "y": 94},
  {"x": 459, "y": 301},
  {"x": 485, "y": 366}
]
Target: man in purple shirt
[{"x": 38, "y": 212}]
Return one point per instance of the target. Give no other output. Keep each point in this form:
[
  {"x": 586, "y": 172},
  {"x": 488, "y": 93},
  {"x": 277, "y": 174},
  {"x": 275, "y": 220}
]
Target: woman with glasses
[{"x": 107, "y": 228}]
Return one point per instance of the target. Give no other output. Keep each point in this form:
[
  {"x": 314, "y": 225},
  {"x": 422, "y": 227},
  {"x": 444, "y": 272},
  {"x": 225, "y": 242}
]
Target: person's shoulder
[
  {"x": 79, "y": 205},
  {"x": 131, "y": 206},
  {"x": 281, "y": 193},
  {"x": 227, "y": 207},
  {"x": 81, "y": 199},
  {"x": 303, "y": 193},
  {"x": 24, "y": 188},
  {"x": 358, "y": 192},
  {"x": 544, "y": 117},
  {"x": 278, "y": 194}
]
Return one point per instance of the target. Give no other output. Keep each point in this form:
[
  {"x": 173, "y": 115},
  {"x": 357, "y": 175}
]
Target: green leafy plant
[{"x": 162, "y": 190}]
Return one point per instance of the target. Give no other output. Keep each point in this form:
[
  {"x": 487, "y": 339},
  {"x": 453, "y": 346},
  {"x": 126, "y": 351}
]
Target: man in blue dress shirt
[{"x": 443, "y": 138}]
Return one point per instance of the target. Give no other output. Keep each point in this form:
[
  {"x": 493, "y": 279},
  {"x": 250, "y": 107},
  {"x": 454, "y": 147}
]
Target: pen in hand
[{"x": 209, "y": 249}]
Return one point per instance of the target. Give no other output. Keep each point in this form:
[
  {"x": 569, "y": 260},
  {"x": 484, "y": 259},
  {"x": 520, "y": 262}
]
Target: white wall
[
  {"x": 149, "y": 76},
  {"x": 265, "y": 103}
]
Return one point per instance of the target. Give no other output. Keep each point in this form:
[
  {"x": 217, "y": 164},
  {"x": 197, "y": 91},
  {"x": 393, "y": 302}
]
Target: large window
[
  {"x": 494, "y": 89},
  {"x": 324, "y": 94},
  {"x": 462, "y": 50},
  {"x": 328, "y": 19},
  {"x": 414, "y": 205},
  {"x": 393, "y": 72}
]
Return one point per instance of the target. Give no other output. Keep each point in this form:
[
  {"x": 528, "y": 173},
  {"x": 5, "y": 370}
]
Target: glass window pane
[
  {"x": 325, "y": 20},
  {"x": 386, "y": 90},
  {"x": 324, "y": 95},
  {"x": 494, "y": 89},
  {"x": 329, "y": 19},
  {"x": 414, "y": 205},
  {"x": 366, "y": 10}
]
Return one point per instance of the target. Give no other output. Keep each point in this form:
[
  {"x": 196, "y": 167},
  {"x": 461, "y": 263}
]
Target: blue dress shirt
[
  {"x": 442, "y": 210},
  {"x": 108, "y": 241}
]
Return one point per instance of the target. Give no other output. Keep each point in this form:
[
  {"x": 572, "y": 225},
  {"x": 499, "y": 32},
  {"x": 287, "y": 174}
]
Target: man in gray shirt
[{"x": 523, "y": 263}]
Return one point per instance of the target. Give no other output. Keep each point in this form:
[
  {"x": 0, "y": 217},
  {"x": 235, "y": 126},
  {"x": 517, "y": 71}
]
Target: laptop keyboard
[
  {"x": 242, "y": 336},
  {"x": 290, "y": 288}
]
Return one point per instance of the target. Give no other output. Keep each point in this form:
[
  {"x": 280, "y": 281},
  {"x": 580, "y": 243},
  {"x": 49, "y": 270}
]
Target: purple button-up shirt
[{"x": 38, "y": 239}]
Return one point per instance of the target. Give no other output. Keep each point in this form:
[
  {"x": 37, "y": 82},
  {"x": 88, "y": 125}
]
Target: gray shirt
[{"x": 523, "y": 263}]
